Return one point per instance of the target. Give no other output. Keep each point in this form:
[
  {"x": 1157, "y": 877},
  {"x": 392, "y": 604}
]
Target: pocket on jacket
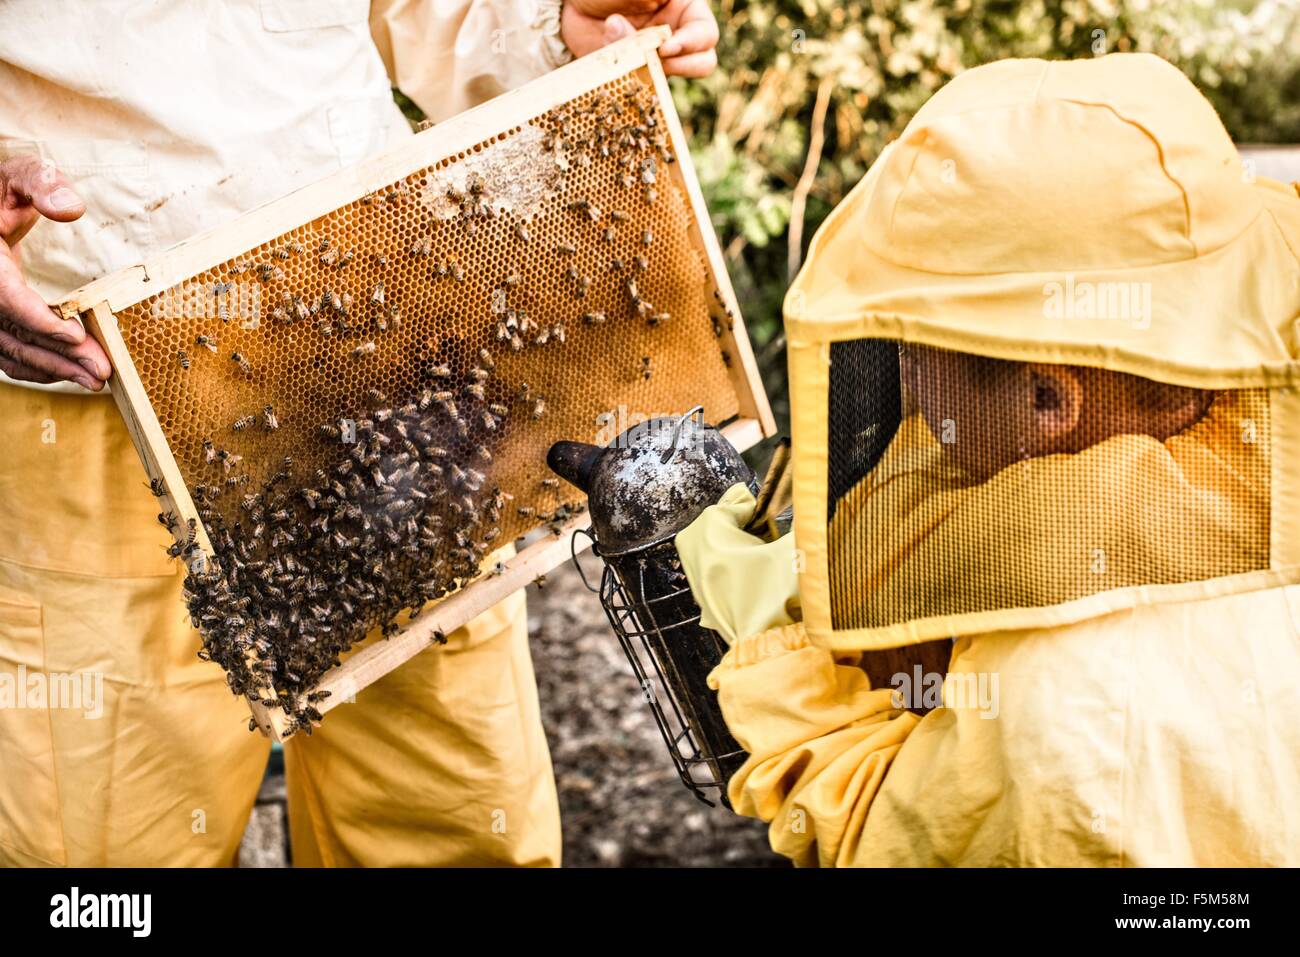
[{"x": 29, "y": 795}]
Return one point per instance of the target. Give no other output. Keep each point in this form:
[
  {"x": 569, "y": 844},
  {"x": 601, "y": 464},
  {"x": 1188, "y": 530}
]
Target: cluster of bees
[
  {"x": 309, "y": 561},
  {"x": 315, "y": 560}
]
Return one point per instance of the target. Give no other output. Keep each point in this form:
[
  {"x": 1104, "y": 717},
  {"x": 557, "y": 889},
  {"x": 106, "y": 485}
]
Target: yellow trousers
[{"x": 118, "y": 746}]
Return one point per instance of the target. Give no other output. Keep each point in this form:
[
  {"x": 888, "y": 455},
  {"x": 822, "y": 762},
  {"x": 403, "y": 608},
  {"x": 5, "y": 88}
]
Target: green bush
[{"x": 876, "y": 61}]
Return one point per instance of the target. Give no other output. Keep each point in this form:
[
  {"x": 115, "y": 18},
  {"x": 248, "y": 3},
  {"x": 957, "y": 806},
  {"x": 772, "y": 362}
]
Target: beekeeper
[
  {"x": 1097, "y": 502},
  {"x": 131, "y": 127}
]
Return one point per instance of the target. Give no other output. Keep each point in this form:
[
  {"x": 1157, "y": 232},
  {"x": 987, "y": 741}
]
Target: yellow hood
[
  {"x": 1088, "y": 213},
  {"x": 1024, "y": 184}
]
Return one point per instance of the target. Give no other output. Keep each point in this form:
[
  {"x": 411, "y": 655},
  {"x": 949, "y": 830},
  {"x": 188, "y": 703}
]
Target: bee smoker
[{"x": 642, "y": 489}]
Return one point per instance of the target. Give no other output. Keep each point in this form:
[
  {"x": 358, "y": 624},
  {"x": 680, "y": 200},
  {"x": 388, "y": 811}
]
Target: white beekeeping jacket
[{"x": 175, "y": 116}]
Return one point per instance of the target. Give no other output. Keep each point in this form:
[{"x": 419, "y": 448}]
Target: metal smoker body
[{"x": 645, "y": 487}]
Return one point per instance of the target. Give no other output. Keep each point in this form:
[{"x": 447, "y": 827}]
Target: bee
[
  {"x": 647, "y": 237},
  {"x": 565, "y": 249},
  {"x": 608, "y": 234},
  {"x": 542, "y": 338},
  {"x": 616, "y": 265},
  {"x": 167, "y": 520},
  {"x": 516, "y": 344},
  {"x": 497, "y": 409},
  {"x": 593, "y": 318},
  {"x": 269, "y": 419},
  {"x": 651, "y": 194},
  {"x": 658, "y": 318},
  {"x": 268, "y": 271},
  {"x": 238, "y": 268},
  {"x": 346, "y": 259},
  {"x": 642, "y": 263},
  {"x": 617, "y": 215},
  {"x": 550, "y": 483},
  {"x": 486, "y": 358},
  {"x": 239, "y": 360},
  {"x": 521, "y": 231},
  {"x": 183, "y": 357},
  {"x": 557, "y": 332},
  {"x": 209, "y": 451},
  {"x": 458, "y": 272},
  {"x": 281, "y": 253},
  {"x": 645, "y": 368},
  {"x": 243, "y": 422},
  {"x": 539, "y": 407},
  {"x": 483, "y": 453},
  {"x": 512, "y": 278},
  {"x": 329, "y": 256},
  {"x": 475, "y": 389},
  {"x": 489, "y": 421},
  {"x": 377, "y": 297}
]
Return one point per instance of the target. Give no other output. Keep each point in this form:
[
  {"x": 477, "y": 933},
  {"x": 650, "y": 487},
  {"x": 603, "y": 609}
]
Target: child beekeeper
[{"x": 1043, "y": 374}]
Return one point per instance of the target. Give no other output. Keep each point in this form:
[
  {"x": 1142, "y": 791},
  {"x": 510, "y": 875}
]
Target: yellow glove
[{"x": 743, "y": 584}]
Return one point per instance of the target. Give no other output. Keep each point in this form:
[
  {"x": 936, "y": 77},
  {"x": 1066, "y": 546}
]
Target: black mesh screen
[
  {"x": 960, "y": 483},
  {"x": 865, "y": 408}
]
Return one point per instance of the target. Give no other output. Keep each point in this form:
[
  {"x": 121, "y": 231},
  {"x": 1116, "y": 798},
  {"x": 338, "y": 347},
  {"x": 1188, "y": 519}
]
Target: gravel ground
[{"x": 621, "y": 802}]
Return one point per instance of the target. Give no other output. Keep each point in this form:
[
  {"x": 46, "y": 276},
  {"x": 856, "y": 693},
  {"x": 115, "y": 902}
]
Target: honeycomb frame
[{"x": 433, "y": 176}]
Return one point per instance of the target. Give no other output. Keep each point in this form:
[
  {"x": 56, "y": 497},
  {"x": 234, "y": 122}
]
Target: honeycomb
[{"x": 361, "y": 408}]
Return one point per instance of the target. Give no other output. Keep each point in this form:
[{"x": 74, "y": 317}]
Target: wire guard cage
[{"x": 650, "y": 606}]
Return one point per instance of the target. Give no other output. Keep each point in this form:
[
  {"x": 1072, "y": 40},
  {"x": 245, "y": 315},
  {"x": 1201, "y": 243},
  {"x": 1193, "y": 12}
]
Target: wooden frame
[{"x": 97, "y": 303}]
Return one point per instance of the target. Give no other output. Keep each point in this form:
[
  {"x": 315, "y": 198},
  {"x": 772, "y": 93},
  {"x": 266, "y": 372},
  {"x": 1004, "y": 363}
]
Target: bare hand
[
  {"x": 587, "y": 25},
  {"x": 36, "y": 344}
]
